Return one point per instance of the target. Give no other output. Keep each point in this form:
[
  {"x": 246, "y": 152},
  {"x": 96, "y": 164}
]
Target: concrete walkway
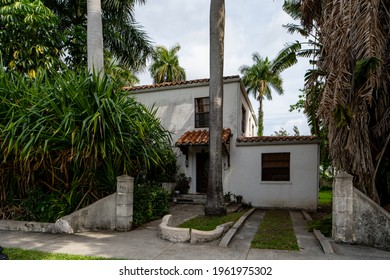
[{"x": 145, "y": 244}]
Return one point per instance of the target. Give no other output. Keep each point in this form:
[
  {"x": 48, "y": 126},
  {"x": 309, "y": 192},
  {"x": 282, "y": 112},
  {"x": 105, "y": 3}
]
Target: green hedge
[{"x": 150, "y": 203}]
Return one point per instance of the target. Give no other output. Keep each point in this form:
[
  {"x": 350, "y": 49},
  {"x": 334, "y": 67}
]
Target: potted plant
[
  {"x": 238, "y": 199},
  {"x": 227, "y": 197},
  {"x": 183, "y": 183}
]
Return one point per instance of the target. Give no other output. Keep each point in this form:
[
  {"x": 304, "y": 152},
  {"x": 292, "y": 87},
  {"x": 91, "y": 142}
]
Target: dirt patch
[{"x": 322, "y": 211}]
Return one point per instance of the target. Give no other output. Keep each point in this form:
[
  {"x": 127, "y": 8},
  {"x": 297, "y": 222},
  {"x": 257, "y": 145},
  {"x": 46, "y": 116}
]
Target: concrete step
[{"x": 191, "y": 198}]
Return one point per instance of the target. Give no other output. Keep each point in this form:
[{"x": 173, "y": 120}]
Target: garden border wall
[
  {"x": 356, "y": 218},
  {"x": 112, "y": 212}
]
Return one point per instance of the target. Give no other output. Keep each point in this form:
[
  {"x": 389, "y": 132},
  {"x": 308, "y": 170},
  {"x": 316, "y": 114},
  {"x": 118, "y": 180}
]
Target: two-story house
[{"x": 261, "y": 169}]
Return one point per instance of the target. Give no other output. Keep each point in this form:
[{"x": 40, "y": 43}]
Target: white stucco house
[{"x": 266, "y": 171}]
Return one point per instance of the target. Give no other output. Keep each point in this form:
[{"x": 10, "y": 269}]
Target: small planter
[
  {"x": 227, "y": 197},
  {"x": 183, "y": 184}
]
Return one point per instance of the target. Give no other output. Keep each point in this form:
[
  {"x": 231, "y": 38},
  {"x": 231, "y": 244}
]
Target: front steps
[{"x": 191, "y": 198}]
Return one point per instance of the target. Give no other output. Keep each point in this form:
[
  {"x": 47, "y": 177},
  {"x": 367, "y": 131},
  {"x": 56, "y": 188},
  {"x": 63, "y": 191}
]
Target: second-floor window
[
  {"x": 243, "y": 119},
  {"x": 202, "y": 109}
]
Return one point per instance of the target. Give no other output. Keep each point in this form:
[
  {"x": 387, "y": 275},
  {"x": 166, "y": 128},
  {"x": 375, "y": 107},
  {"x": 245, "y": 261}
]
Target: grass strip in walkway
[
  {"x": 23, "y": 254},
  {"x": 276, "y": 232},
  {"x": 210, "y": 223}
]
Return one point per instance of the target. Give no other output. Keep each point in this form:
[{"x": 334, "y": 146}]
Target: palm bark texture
[
  {"x": 215, "y": 205},
  {"x": 355, "y": 102}
]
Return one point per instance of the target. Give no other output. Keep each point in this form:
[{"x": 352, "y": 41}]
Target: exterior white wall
[
  {"x": 300, "y": 192},
  {"x": 176, "y": 109},
  {"x": 176, "y": 106}
]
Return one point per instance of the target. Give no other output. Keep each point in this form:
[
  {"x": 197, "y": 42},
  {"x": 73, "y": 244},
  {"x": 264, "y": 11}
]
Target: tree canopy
[
  {"x": 29, "y": 36},
  {"x": 355, "y": 100},
  {"x": 123, "y": 36},
  {"x": 260, "y": 79},
  {"x": 165, "y": 65}
]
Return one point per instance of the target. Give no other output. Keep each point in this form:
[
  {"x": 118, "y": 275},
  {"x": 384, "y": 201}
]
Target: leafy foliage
[
  {"x": 49, "y": 207},
  {"x": 165, "y": 65},
  {"x": 150, "y": 203},
  {"x": 123, "y": 37},
  {"x": 71, "y": 135},
  {"x": 29, "y": 36},
  {"x": 261, "y": 78},
  {"x": 354, "y": 102}
]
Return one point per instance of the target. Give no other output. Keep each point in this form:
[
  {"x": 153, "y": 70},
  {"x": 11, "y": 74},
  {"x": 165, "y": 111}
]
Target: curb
[
  {"x": 324, "y": 242},
  {"x": 235, "y": 228}
]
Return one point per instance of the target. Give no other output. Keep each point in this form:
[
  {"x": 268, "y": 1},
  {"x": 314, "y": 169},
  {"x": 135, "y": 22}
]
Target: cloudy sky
[{"x": 251, "y": 26}]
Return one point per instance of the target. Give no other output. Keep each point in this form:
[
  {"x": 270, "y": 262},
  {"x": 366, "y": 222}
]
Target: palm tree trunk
[
  {"x": 260, "y": 121},
  {"x": 95, "y": 37},
  {"x": 215, "y": 205}
]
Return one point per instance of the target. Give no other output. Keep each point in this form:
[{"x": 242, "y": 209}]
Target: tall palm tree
[
  {"x": 215, "y": 205},
  {"x": 354, "y": 104},
  {"x": 165, "y": 65},
  {"x": 260, "y": 79},
  {"x": 123, "y": 37},
  {"x": 95, "y": 37}
]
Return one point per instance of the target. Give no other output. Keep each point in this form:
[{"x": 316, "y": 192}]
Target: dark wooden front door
[{"x": 202, "y": 172}]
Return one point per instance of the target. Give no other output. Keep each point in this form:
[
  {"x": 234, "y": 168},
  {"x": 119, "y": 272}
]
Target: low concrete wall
[
  {"x": 371, "y": 222},
  {"x": 175, "y": 234},
  {"x": 112, "y": 212},
  {"x": 28, "y": 226},
  {"x": 356, "y": 218},
  {"x": 99, "y": 215}
]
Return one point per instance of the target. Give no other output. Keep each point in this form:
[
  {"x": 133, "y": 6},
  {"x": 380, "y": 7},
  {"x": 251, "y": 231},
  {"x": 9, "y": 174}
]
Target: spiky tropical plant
[
  {"x": 73, "y": 130},
  {"x": 354, "y": 104},
  {"x": 165, "y": 65}
]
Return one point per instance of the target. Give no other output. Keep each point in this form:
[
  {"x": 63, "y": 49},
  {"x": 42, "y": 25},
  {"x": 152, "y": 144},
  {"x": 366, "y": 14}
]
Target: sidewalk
[{"x": 145, "y": 244}]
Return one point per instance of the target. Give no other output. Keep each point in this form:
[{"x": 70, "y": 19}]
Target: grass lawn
[
  {"x": 22, "y": 254},
  {"x": 210, "y": 223},
  {"x": 276, "y": 232},
  {"x": 322, "y": 220},
  {"x": 325, "y": 197}
]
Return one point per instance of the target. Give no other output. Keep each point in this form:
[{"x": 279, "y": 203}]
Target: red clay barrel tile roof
[
  {"x": 267, "y": 139},
  {"x": 201, "y": 137},
  {"x": 170, "y": 84}
]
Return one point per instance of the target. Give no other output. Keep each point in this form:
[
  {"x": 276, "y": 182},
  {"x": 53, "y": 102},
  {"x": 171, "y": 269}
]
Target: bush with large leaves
[
  {"x": 73, "y": 133},
  {"x": 29, "y": 36}
]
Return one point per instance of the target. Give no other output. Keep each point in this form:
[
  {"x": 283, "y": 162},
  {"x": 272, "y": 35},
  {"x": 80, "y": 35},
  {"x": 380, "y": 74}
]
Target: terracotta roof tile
[
  {"x": 171, "y": 84},
  {"x": 201, "y": 137},
  {"x": 267, "y": 139}
]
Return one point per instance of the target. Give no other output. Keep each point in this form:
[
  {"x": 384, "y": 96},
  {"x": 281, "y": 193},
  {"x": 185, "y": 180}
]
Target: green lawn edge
[
  {"x": 207, "y": 223},
  {"x": 26, "y": 254}
]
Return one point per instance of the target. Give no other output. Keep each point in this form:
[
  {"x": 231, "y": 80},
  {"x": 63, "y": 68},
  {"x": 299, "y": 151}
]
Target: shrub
[
  {"x": 71, "y": 133},
  {"x": 150, "y": 203},
  {"x": 183, "y": 183},
  {"x": 49, "y": 207}
]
